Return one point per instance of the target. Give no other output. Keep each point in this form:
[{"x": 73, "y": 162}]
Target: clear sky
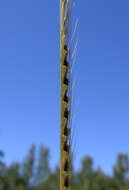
[{"x": 29, "y": 79}]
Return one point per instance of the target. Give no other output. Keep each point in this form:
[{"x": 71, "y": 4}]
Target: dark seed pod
[
  {"x": 66, "y": 63},
  {"x": 66, "y": 182},
  {"x": 66, "y": 166},
  {"x": 66, "y": 48},
  {"x": 67, "y": 131},
  {"x": 66, "y": 81},
  {"x": 66, "y": 113},
  {"x": 66, "y": 99},
  {"x": 66, "y": 147}
]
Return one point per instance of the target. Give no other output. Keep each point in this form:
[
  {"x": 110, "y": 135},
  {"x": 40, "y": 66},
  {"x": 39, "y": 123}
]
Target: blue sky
[{"x": 29, "y": 79}]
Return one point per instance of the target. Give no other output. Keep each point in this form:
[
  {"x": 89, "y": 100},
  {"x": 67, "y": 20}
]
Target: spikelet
[{"x": 67, "y": 54}]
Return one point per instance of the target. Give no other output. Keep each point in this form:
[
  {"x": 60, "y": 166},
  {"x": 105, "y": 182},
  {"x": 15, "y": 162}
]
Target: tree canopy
[{"x": 35, "y": 173}]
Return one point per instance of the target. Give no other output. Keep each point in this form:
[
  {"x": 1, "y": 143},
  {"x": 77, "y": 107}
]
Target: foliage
[{"x": 35, "y": 173}]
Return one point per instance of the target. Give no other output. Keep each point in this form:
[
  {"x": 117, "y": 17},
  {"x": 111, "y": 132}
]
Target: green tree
[
  {"x": 2, "y": 164},
  {"x": 28, "y": 167},
  {"x": 43, "y": 168},
  {"x": 84, "y": 177},
  {"x": 121, "y": 168},
  {"x": 51, "y": 182},
  {"x": 13, "y": 177}
]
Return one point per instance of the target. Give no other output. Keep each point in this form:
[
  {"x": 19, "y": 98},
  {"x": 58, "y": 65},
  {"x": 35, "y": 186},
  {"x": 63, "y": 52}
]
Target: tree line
[{"x": 35, "y": 173}]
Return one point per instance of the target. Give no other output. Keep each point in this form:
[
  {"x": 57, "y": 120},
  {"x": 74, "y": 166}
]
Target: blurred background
[{"x": 29, "y": 93}]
